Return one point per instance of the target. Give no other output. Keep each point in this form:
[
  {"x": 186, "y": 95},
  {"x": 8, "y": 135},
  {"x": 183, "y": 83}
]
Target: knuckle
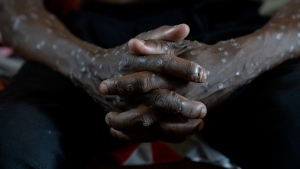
[
  {"x": 144, "y": 122},
  {"x": 175, "y": 102},
  {"x": 171, "y": 100},
  {"x": 115, "y": 85},
  {"x": 144, "y": 84},
  {"x": 161, "y": 100},
  {"x": 125, "y": 63},
  {"x": 119, "y": 88},
  {"x": 163, "y": 61},
  {"x": 167, "y": 99},
  {"x": 130, "y": 88},
  {"x": 164, "y": 126}
]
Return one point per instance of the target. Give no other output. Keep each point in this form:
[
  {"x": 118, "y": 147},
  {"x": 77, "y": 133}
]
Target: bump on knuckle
[
  {"x": 130, "y": 88},
  {"x": 126, "y": 63},
  {"x": 145, "y": 122},
  {"x": 164, "y": 126},
  {"x": 157, "y": 98}
]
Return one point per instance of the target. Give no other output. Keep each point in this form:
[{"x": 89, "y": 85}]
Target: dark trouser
[
  {"x": 46, "y": 122},
  {"x": 259, "y": 125}
]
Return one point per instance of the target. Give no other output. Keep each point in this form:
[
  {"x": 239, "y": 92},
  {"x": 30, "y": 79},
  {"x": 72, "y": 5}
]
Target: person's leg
[
  {"x": 47, "y": 123},
  {"x": 259, "y": 125}
]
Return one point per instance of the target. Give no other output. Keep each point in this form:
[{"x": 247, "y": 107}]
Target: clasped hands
[{"x": 161, "y": 113}]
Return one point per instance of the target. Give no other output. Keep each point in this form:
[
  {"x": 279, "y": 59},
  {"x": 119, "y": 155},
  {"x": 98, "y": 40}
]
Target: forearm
[
  {"x": 273, "y": 44},
  {"x": 241, "y": 60},
  {"x": 38, "y": 35},
  {"x": 277, "y": 41}
]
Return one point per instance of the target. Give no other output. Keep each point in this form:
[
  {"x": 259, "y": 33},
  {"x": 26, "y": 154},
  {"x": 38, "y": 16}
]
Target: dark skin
[
  {"x": 88, "y": 65},
  {"x": 163, "y": 114},
  {"x": 229, "y": 64}
]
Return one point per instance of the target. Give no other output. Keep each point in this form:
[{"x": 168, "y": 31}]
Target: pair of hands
[
  {"x": 162, "y": 113},
  {"x": 152, "y": 85}
]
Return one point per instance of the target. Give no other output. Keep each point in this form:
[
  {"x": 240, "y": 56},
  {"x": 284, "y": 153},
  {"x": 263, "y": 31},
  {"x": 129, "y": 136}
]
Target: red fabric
[
  {"x": 3, "y": 83},
  {"x": 61, "y": 8},
  {"x": 162, "y": 153},
  {"x": 1, "y": 86},
  {"x": 120, "y": 155}
]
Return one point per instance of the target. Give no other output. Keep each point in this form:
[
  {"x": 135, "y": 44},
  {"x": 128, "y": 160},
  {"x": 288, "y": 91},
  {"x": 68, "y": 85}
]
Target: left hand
[{"x": 148, "y": 122}]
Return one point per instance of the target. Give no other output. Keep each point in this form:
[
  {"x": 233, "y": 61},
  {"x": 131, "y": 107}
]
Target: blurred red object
[
  {"x": 3, "y": 83},
  {"x": 6, "y": 51}
]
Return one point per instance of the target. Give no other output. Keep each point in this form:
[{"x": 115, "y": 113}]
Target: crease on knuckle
[{"x": 144, "y": 84}]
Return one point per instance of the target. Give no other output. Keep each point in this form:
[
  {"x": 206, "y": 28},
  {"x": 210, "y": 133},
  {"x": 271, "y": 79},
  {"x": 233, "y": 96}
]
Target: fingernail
[
  {"x": 198, "y": 74},
  {"x": 107, "y": 121},
  {"x": 200, "y": 110},
  {"x": 103, "y": 88},
  {"x": 203, "y": 112},
  {"x": 202, "y": 75}
]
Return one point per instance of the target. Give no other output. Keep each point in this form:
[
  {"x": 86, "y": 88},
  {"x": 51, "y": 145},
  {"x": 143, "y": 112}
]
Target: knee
[{"x": 27, "y": 138}]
